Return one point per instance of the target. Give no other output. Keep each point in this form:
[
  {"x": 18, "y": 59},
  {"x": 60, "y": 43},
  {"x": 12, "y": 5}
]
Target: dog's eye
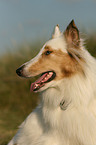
[{"x": 48, "y": 52}]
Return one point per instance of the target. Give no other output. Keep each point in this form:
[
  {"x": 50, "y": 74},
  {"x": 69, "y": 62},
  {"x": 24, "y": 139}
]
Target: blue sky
[{"x": 25, "y": 20}]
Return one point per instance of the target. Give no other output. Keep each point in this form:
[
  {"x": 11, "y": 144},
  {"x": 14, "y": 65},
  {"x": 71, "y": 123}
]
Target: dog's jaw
[{"x": 42, "y": 81}]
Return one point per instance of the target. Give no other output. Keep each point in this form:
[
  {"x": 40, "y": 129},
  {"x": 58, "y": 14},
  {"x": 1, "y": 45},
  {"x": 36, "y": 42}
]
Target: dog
[{"x": 66, "y": 114}]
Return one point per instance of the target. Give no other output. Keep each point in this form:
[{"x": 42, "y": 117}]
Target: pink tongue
[{"x": 33, "y": 85}]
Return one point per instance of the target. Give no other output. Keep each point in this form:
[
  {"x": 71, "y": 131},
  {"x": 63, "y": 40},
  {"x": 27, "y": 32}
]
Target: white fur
[
  {"x": 48, "y": 124},
  {"x": 58, "y": 43},
  {"x": 57, "y": 32}
]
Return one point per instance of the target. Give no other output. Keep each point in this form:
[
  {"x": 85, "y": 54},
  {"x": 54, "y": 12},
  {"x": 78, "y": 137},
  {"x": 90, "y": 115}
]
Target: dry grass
[{"x": 16, "y": 101}]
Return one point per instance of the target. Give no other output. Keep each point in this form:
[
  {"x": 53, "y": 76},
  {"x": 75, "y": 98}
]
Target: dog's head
[{"x": 58, "y": 59}]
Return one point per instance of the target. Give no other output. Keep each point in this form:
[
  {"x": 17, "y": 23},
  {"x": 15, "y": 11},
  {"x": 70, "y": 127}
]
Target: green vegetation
[{"x": 16, "y": 101}]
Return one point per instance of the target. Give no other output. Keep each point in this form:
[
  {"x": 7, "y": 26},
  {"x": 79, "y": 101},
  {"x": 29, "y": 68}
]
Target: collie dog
[{"x": 66, "y": 114}]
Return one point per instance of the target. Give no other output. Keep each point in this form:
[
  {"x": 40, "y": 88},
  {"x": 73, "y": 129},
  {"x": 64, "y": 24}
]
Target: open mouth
[{"x": 45, "y": 77}]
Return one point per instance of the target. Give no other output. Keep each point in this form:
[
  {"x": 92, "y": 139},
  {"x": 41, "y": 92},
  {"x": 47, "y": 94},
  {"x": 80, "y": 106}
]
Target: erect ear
[
  {"x": 57, "y": 32},
  {"x": 72, "y": 35}
]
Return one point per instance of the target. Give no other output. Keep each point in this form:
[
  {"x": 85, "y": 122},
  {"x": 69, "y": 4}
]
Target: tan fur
[{"x": 66, "y": 66}]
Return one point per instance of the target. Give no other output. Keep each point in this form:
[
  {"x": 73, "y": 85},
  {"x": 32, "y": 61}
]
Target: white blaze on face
[{"x": 57, "y": 43}]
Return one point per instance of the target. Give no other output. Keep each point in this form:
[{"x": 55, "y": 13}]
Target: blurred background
[{"x": 25, "y": 25}]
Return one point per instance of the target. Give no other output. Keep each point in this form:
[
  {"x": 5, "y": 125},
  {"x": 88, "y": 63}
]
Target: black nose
[{"x": 19, "y": 71}]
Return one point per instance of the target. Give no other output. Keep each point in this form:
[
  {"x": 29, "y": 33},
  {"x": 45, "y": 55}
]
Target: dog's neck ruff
[{"x": 54, "y": 98}]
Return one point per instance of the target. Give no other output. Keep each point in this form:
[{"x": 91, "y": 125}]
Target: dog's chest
[{"x": 52, "y": 117}]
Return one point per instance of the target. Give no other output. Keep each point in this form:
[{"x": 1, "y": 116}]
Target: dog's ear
[
  {"x": 57, "y": 32},
  {"x": 72, "y": 35}
]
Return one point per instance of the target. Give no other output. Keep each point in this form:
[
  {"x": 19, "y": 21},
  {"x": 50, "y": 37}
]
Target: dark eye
[{"x": 48, "y": 52}]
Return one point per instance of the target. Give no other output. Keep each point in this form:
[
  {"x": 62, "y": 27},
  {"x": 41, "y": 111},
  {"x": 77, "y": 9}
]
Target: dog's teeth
[
  {"x": 50, "y": 73},
  {"x": 36, "y": 85}
]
